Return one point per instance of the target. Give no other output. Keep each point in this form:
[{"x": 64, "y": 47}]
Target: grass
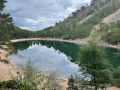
[{"x": 5, "y": 61}]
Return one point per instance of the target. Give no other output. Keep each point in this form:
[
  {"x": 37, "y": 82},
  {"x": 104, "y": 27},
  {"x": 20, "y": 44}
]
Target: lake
[{"x": 53, "y": 56}]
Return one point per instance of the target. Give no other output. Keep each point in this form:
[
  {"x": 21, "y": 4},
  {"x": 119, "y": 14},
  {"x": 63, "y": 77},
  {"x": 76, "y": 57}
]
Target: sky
[{"x": 38, "y": 14}]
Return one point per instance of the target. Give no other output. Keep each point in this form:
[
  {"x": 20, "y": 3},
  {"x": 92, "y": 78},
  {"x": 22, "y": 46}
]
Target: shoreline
[
  {"x": 6, "y": 68},
  {"x": 76, "y": 41}
]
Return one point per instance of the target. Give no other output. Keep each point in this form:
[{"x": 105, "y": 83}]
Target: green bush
[
  {"x": 5, "y": 61},
  {"x": 9, "y": 84},
  {"x": 30, "y": 78},
  {"x": 2, "y": 43},
  {"x": 113, "y": 37},
  {"x": 110, "y": 33},
  {"x": 67, "y": 36},
  {"x": 116, "y": 77}
]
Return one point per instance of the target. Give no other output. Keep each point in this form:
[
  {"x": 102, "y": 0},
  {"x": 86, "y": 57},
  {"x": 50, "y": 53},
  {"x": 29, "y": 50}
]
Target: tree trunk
[
  {"x": 94, "y": 66},
  {"x": 95, "y": 82}
]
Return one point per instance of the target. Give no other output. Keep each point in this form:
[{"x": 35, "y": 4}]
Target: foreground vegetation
[
  {"x": 95, "y": 73},
  {"x": 30, "y": 78}
]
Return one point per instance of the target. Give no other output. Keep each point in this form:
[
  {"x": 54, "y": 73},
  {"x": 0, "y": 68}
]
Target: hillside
[
  {"x": 113, "y": 17},
  {"x": 80, "y": 23}
]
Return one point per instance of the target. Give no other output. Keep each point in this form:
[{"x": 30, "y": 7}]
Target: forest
[
  {"x": 73, "y": 27},
  {"x": 96, "y": 69},
  {"x": 8, "y": 30}
]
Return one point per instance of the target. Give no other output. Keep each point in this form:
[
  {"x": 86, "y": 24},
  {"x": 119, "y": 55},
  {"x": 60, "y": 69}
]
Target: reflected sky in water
[
  {"x": 47, "y": 59},
  {"x": 54, "y": 56}
]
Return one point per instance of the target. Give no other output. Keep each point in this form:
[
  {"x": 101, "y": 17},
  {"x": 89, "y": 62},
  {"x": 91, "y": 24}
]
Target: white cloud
[
  {"x": 87, "y": 1},
  {"x": 34, "y": 22},
  {"x": 25, "y": 28},
  {"x": 38, "y": 14},
  {"x": 70, "y": 9}
]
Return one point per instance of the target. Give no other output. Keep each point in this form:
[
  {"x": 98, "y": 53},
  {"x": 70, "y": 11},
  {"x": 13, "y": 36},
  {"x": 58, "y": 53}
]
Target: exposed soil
[{"x": 113, "y": 17}]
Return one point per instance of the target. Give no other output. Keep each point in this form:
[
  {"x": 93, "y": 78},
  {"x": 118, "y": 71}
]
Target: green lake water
[{"x": 54, "y": 56}]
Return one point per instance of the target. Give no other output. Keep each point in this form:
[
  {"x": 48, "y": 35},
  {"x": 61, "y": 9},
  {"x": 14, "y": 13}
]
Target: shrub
[
  {"x": 2, "y": 43},
  {"x": 10, "y": 84},
  {"x": 31, "y": 79},
  {"x": 113, "y": 37},
  {"x": 5, "y": 61},
  {"x": 116, "y": 77}
]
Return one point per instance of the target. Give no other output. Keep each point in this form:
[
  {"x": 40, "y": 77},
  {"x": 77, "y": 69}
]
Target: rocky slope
[{"x": 113, "y": 17}]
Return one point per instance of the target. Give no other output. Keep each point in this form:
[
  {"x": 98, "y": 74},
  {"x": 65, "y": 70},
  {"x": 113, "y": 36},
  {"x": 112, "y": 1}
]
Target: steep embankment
[{"x": 113, "y": 17}]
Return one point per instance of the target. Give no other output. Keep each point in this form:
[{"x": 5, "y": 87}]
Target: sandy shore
[
  {"x": 6, "y": 68},
  {"x": 77, "y": 41}
]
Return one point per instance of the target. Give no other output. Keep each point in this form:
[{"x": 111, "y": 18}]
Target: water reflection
[
  {"x": 46, "y": 58},
  {"x": 56, "y": 56}
]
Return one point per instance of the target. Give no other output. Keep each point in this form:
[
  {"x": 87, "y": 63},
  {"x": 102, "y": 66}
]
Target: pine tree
[
  {"x": 92, "y": 62},
  {"x": 4, "y": 18},
  {"x": 5, "y": 23},
  {"x": 2, "y": 4}
]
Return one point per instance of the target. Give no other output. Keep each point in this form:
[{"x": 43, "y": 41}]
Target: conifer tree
[
  {"x": 92, "y": 62},
  {"x": 4, "y": 18},
  {"x": 5, "y": 23}
]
